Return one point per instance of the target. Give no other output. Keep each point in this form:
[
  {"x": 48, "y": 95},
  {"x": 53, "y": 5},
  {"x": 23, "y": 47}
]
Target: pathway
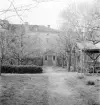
[{"x": 58, "y": 89}]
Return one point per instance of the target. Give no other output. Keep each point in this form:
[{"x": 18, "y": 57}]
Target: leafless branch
[
  {"x": 7, "y": 9},
  {"x": 16, "y": 11}
]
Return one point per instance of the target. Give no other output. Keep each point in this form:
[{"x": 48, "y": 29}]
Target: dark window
[
  {"x": 53, "y": 57},
  {"x": 45, "y": 57},
  {"x": 13, "y": 40}
]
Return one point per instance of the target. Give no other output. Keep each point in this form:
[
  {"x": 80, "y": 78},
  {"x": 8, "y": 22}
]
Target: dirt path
[
  {"x": 57, "y": 82},
  {"x": 58, "y": 89}
]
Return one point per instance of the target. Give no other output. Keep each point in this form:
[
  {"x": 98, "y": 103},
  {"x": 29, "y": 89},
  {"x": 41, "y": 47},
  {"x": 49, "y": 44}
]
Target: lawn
[
  {"x": 65, "y": 88},
  {"x": 23, "y": 89},
  {"x": 86, "y": 90},
  {"x": 70, "y": 89}
]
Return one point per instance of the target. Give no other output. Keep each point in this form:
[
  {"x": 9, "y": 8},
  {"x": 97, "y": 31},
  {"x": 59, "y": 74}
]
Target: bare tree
[
  {"x": 73, "y": 25},
  {"x": 66, "y": 42},
  {"x": 4, "y": 24},
  {"x": 21, "y": 44},
  {"x": 83, "y": 21}
]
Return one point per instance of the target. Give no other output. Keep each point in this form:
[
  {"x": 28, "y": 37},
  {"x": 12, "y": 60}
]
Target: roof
[
  {"x": 16, "y": 28},
  {"x": 92, "y": 51},
  {"x": 42, "y": 28},
  {"x": 35, "y": 28},
  {"x": 88, "y": 45},
  {"x": 49, "y": 52}
]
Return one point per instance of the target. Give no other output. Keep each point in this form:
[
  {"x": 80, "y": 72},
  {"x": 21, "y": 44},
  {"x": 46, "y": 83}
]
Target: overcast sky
[{"x": 46, "y": 13}]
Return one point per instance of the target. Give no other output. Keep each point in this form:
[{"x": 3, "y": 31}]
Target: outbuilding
[
  {"x": 90, "y": 55},
  {"x": 50, "y": 58}
]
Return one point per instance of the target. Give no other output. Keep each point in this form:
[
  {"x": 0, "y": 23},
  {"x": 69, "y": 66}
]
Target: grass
[
  {"x": 84, "y": 89},
  {"x": 33, "y": 89},
  {"x": 23, "y": 90}
]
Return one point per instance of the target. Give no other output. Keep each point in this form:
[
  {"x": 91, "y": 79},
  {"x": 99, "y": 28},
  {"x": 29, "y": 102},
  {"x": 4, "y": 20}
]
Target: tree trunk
[
  {"x": 18, "y": 60},
  {"x": 74, "y": 61},
  {"x": 94, "y": 66},
  {"x": 69, "y": 61},
  {"x": 1, "y": 62},
  {"x": 0, "y": 66},
  {"x": 63, "y": 62},
  {"x": 82, "y": 55}
]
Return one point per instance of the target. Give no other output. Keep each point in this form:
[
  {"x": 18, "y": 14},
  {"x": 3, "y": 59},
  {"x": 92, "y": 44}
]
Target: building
[
  {"x": 50, "y": 58},
  {"x": 38, "y": 41},
  {"x": 89, "y": 55}
]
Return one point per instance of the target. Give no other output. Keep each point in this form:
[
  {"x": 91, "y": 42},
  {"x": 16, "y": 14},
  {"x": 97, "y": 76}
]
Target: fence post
[{"x": 82, "y": 60}]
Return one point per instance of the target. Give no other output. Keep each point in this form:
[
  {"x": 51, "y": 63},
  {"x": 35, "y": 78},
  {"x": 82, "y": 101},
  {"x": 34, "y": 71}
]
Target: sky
[{"x": 46, "y": 13}]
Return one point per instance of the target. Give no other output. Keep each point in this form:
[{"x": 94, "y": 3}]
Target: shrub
[
  {"x": 92, "y": 102},
  {"x": 90, "y": 82},
  {"x": 78, "y": 69},
  {"x": 21, "y": 69},
  {"x": 81, "y": 76}
]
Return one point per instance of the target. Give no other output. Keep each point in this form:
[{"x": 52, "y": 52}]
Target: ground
[{"x": 50, "y": 88}]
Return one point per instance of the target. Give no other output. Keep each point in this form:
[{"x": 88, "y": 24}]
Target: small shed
[
  {"x": 50, "y": 58},
  {"x": 90, "y": 55}
]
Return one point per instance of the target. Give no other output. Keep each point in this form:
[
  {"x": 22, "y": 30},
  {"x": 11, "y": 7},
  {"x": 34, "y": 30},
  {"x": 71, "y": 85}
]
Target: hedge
[{"x": 21, "y": 69}]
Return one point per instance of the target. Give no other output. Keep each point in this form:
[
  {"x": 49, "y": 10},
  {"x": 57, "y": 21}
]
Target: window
[
  {"x": 53, "y": 57},
  {"x": 45, "y": 57}
]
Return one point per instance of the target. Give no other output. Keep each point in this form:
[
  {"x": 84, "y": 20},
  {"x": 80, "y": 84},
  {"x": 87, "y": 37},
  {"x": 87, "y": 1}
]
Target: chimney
[
  {"x": 36, "y": 27},
  {"x": 26, "y": 25},
  {"x": 48, "y": 26}
]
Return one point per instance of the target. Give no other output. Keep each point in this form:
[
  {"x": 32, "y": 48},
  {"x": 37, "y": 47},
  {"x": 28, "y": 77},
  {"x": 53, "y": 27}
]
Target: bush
[
  {"x": 78, "y": 69},
  {"x": 21, "y": 69},
  {"x": 81, "y": 76},
  {"x": 92, "y": 102},
  {"x": 90, "y": 82}
]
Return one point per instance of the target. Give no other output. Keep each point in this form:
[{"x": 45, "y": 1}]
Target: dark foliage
[
  {"x": 90, "y": 83},
  {"x": 36, "y": 61},
  {"x": 61, "y": 61},
  {"x": 97, "y": 70},
  {"x": 21, "y": 69},
  {"x": 81, "y": 77}
]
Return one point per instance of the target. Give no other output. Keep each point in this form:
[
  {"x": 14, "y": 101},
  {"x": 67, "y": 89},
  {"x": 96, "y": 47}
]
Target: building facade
[
  {"x": 36, "y": 39},
  {"x": 50, "y": 58}
]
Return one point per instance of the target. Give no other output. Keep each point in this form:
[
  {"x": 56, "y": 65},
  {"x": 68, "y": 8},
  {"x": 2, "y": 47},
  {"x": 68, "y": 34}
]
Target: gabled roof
[
  {"x": 49, "y": 52},
  {"x": 35, "y": 28},
  {"x": 88, "y": 45},
  {"x": 42, "y": 28},
  {"x": 16, "y": 28}
]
